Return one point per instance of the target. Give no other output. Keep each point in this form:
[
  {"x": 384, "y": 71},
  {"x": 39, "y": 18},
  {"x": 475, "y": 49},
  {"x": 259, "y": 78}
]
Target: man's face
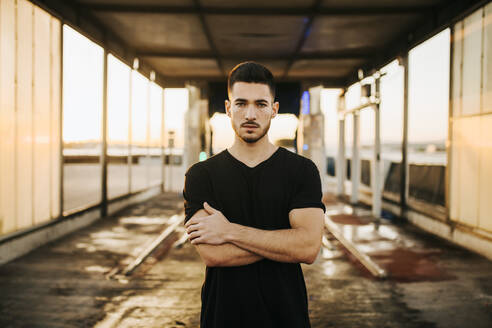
[{"x": 251, "y": 108}]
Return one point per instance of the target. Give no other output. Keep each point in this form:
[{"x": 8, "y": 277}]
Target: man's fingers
[
  {"x": 193, "y": 227},
  {"x": 198, "y": 240},
  {"x": 194, "y": 235},
  {"x": 193, "y": 221}
]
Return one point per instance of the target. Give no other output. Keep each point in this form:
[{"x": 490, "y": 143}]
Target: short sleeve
[
  {"x": 308, "y": 191},
  {"x": 197, "y": 189}
]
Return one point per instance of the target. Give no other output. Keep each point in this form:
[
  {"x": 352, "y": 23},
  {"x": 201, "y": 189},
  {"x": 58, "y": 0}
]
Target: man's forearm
[
  {"x": 285, "y": 245},
  {"x": 226, "y": 255}
]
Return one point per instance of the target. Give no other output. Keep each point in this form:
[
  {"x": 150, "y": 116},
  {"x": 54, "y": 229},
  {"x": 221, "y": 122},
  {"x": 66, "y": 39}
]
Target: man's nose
[{"x": 250, "y": 112}]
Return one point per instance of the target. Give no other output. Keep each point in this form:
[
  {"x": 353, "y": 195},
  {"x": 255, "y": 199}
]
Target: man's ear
[
  {"x": 275, "y": 108},
  {"x": 227, "y": 104}
]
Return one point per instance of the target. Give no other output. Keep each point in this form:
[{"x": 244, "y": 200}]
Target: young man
[{"x": 254, "y": 213}]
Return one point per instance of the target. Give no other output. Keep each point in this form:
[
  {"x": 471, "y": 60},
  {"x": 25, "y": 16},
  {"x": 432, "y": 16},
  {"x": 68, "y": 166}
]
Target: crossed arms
[{"x": 222, "y": 243}]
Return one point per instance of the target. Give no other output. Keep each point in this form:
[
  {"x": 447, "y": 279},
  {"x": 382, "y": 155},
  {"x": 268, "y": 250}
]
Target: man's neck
[{"x": 252, "y": 154}]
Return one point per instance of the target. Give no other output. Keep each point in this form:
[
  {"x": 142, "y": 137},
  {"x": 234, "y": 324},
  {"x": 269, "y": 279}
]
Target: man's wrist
[{"x": 230, "y": 235}]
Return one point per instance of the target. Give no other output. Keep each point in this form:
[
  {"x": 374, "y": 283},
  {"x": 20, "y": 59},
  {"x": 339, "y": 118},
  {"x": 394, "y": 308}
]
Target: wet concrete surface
[{"x": 64, "y": 284}]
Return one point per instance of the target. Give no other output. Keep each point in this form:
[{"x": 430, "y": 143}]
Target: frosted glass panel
[
  {"x": 55, "y": 116},
  {"x": 467, "y": 137},
  {"x": 485, "y": 142},
  {"x": 42, "y": 116},
  {"x": 457, "y": 62},
  {"x": 7, "y": 118},
  {"x": 472, "y": 44},
  {"x": 24, "y": 146},
  {"x": 487, "y": 61}
]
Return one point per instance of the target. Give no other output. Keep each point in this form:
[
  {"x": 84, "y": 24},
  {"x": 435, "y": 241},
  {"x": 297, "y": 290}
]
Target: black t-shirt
[{"x": 265, "y": 293}]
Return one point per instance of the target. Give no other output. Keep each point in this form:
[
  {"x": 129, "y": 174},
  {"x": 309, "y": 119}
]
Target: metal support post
[
  {"x": 355, "y": 165},
  {"x": 341, "y": 161},
  {"x": 376, "y": 171},
  {"x": 104, "y": 154},
  {"x": 404, "y": 146}
]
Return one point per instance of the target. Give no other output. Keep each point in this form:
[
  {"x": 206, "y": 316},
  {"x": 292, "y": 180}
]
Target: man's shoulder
[
  {"x": 292, "y": 157},
  {"x": 203, "y": 166}
]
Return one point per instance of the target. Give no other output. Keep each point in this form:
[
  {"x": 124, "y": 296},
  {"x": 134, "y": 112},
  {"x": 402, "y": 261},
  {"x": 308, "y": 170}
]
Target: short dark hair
[{"x": 251, "y": 72}]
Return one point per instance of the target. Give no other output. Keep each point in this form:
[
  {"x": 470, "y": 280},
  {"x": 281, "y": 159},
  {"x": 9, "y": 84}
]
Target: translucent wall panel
[
  {"x": 472, "y": 69},
  {"x": 41, "y": 115},
  {"x": 429, "y": 100},
  {"x": 466, "y": 133},
  {"x": 82, "y": 114},
  {"x": 7, "y": 116},
  {"x": 155, "y": 146},
  {"x": 55, "y": 143},
  {"x": 30, "y": 111},
  {"x": 487, "y": 61},
  {"x": 471, "y": 144},
  {"x": 485, "y": 173},
  {"x": 457, "y": 88},
  {"x": 24, "y": 102},
  {"x": 139, "y": 131},
  {"x": 118, "y": 127}
]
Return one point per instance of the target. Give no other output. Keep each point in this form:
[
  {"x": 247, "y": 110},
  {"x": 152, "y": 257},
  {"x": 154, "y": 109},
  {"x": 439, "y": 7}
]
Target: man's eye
[
  {"x": 239, "y": 104},
  {"x": 262, "y": 105}
]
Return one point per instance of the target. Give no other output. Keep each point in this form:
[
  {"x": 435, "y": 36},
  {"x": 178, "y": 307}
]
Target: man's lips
[{"x": 250, "y": 126}]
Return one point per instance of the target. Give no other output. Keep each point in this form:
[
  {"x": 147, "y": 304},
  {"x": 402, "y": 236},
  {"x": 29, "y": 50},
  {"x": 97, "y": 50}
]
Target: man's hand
[{"x": 209, "y": 229}]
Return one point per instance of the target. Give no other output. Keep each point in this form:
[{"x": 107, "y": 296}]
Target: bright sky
[{"x": 83, "y": 69}]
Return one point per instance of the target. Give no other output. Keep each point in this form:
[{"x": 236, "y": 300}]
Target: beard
[{"x": 251, "y": 138}]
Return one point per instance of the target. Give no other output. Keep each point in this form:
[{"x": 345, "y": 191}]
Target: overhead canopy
[{"x": 300, "y": 40}]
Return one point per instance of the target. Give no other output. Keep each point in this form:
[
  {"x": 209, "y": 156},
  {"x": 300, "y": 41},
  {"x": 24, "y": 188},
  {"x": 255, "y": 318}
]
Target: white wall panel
[
  {"x": 24, "y": 146},
  {"x": 487, "y": 61},
  {"x": 454, "y": 166},
  {"x": 472, "y": 44},
  {"x": 55, "y": 116},
  {"x": 42, "y": 116},
  {"x": 485, "y": 173},
  {"x": 457, "y": 62},
  {"x": 7, "y": 118},
  {"x": 468, "y": 134}
]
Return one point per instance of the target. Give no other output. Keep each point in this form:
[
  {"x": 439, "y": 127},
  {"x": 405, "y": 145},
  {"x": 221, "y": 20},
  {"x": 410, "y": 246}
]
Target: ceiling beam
[
  {"x": 361, "y": 53},
  {"x": 210, "y": 40},
  {"x": 305, "y": 33},
  {"x": 260, "y": 11}
]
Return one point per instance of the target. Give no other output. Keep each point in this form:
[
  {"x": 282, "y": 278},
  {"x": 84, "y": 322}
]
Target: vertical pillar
[
  {"x": 104, "y": 155},
  {"x": 192, "y": 127},
  {"x": 163, "y": 147},
  {"x": 130, "y": 135},
  {"x": 60, "y": 127},
  {"x": 404, "y": 146},
  {"x": 355, "y": 164},
  {"x": 311, "y": 132},
  {"x": 376, "y": 174},
  {"x": 341, "y": 161}
]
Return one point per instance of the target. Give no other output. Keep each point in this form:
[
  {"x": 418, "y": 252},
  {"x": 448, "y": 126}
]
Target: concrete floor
[{"x": 65, "y": 283}]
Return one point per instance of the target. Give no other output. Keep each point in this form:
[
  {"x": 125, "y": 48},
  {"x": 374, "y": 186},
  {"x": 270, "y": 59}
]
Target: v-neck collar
[{"x": 234, "y": 159}]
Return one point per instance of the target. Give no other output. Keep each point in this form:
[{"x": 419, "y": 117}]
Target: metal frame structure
[{"x": 355, "y": 167}]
